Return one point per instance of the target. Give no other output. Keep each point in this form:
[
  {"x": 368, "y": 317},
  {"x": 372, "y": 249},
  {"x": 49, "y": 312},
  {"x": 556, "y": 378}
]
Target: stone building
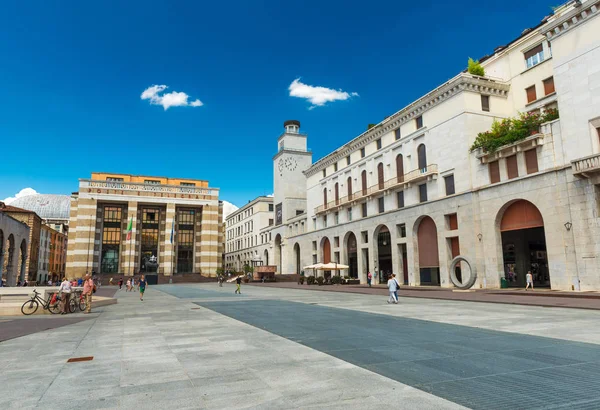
[
  {"x": 172, "y": 224},
  {"x": 14, "y": 242},
  {"x": 58, "y": 255},
  {"x": 34, "y": 222},
  {"x": 413, "y": 192}
]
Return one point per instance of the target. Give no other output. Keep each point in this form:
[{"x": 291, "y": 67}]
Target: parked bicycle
[
  {"x": 31, "y": 306},
  {"x": 81, "y": 302}
]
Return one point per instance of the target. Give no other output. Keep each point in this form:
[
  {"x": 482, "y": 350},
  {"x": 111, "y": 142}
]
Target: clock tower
[{"x": 289, "y": 182}]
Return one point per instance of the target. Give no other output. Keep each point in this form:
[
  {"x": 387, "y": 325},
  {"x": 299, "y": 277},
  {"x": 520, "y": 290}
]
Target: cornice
[
  {"x": 458, "y": 84},
  {"x": 570, "y": 20}
]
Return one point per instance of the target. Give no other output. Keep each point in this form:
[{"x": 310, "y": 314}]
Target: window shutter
[
  {"x": 511, "y": 167},
  {"x": 380, "y": 179},
  {"x": 449, "y": 180},
  {"x": 549, "y": 85},
  {"x": 400, "y": 168},
  {"x": 531, "y": 96},
  {"x": 363, "y": 177},
  {"x": 325, "y": 197},
  {"x": 494, "y": 172},
  {"x": 531, "y": 161},
  {"x": 534, "y": 51},
  {"x": 350, "y": 188},
  {"x": 337, "y": 193}
]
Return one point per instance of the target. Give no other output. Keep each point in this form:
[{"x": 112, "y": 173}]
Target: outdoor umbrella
[{"x": 234, "y": 278}]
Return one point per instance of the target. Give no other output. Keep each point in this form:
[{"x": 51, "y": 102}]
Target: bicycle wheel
[
  {"x": 54, "y": 308},
  {"x": 72, "y": 305},
  {"x": 82, "y": 304},
  {"x": 30, "y": 307}
]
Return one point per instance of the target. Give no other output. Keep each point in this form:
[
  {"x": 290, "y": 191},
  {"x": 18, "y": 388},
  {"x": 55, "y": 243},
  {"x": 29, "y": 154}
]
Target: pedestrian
[
  {"x": 110, "y": 281},
  {"x": 65, "y": 291},
  {"x": 128, "y": 286},
  {"x": 132, "y": 283},
  {"x": 120, "y": 283},
  {"x": 397, "y": 285},
  {"x": 239, "y": 284},
  {"x": 142, "y": 287},
  {"x": 88, "y": 289},
  {"x": 369, "y": 278},
  {"x": 79, "y": 282},
  {"x": 529, "y": 279},
  {"x": 392, "y": 285}
]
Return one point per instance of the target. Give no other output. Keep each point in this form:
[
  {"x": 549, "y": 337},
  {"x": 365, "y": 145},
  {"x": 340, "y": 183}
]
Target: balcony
[
  {"x": 587, "y": 167},
  {"x": 406, "y": 180}
]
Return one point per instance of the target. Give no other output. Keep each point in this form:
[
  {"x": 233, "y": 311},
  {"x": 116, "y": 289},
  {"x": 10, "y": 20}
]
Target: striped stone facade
[{"x": 101, "y": 245}]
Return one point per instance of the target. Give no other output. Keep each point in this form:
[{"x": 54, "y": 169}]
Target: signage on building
[{"x": 278, "y": 214}]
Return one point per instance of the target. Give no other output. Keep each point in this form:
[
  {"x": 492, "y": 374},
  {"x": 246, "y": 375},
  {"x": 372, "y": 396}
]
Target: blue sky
[{"x": 73, "y": 73}]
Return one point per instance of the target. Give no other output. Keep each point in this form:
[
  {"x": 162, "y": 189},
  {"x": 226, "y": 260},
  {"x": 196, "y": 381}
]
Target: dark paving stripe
[
  {"x": 477, "y": 368},
  {"x": 186, "y": 292},
  {"x": 26, "y": 326}
]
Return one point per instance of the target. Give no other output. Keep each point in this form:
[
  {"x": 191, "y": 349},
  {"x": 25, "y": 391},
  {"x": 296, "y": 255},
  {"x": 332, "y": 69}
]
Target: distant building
[
  {"x": 53, "y": 209},
  {"x": 44, "y": 252},
  {"x": 174, "y": 226},
  {"x": 14, "y": 242}
]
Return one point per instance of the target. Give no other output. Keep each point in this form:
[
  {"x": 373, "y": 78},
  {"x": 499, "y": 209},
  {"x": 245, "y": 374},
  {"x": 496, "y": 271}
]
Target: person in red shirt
[{"x": 88, "y": 289}]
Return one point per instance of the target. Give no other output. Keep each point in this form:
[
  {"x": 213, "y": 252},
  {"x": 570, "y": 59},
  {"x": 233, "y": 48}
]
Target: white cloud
[
  {"x": 157, "y": 96},
  {"x": 22, "y": 192},
  {"x": 228, "y": 208},
  {"x": 317, "y": 95}
]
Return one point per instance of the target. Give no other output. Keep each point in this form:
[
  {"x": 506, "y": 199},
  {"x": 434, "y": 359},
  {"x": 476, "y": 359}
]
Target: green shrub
[
  {"x": 336, "y": 280},
  {"x": 320, "y": 280},
  {"x": 475, "y": 68},
  {"x": 510, "y": 130},
  {"x": 301, "y": 280},
  {"x": 310, "y": 280}
]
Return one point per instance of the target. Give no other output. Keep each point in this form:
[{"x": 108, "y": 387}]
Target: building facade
[
  {"x": 58, "y": 255},
  {"x": 428, "y": 183},
  {"x": 44, "y": 252},
  {"x": 126, "y": 224},
  {"x": 245, "y": 244},
  {"x": 14, "y": 238}
]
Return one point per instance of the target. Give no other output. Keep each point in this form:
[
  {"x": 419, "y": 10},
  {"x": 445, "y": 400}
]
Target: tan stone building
[{"x": 173, "y": 225}]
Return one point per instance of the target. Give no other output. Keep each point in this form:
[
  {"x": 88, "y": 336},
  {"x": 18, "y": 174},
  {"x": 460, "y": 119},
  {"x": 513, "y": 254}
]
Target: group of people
[
  {"x": 66, "y": 289},
  {"x": 131, "y": 283},
  {"x": 238, "y": 282}
]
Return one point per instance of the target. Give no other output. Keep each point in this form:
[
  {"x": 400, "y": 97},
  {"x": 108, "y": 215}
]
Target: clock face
[{"x": 287, "y": 163}]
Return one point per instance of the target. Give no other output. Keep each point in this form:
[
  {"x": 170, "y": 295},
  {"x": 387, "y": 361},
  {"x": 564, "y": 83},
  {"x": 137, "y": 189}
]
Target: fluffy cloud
[
  {"x": 228, "y": 208},
  {"x": 317, "y": 96},
  {"x": 22, "y": 192},
  {"x": 157, "y": 96}
]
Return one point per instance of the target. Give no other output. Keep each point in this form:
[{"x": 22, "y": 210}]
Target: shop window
[
  {"x": 400, "y": 199},
  {"x": 511, "y": 167},
  {"x": 494, "y": 168},
  {"x": 531, "y": 95},
  {"x": 531, "y": 161},
  {"x": 423, "y": 193},
  {"x": 485, "y": 103},
  {"x": 549, "y": 85},
  {"x": 449, "y": 181}
]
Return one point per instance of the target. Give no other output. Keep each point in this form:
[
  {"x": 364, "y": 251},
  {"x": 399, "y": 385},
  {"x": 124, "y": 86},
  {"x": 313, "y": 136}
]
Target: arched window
[
  {"x": 421, "y": 151},
  {"x": 400, "y": 168},
  {"x": 363, "y": 178},
  {"x": 350, "y": 188},
  {"x": 380, "y": 178},
  {"x": 337, "y": 193},
  {"x": 325, "y": 197}
]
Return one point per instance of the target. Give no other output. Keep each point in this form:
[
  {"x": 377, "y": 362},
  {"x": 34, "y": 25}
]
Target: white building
[{"x": 409, "y": 194}]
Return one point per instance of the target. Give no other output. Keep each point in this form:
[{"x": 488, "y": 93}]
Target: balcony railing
[
  {"x": 587, "y": 165},
  {"x": 411, "y": 177}
]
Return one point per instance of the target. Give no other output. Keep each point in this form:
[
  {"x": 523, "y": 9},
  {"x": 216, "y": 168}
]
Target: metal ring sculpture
[{"x": 472, "y": 278}]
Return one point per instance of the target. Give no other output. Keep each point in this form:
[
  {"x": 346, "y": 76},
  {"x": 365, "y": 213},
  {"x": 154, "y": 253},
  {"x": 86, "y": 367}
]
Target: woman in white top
[
  {"x": 65, "y": 291},
  {"x": 392, "y": 285},
  {"x": 529, "y": 279}
]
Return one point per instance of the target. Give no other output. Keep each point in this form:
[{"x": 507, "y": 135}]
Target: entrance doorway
[
  {"x": 429, "y": 260},
  {"x": 351, "y": 246},
  {"x": 404, "y": 262},
  {"x": 384, "y": 254},
  {"x": 524, "y": 245},
  {"x": 278, "y": 254},
  {"x": 297, "y": 258},
  {"x": 326, "y": 248}
]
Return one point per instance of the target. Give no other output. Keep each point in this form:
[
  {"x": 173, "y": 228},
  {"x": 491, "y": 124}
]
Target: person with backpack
[
  {"x": 65, "y": 292},
  {"x": 393, "y": 285},
  {"x": 239, "y": 284}
]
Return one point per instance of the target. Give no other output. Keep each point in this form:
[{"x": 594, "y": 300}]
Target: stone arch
[
  {"x": 326, "y": 254},
  {"x": 278, "y": 253},
  {"x": 297, "y": 258},
  {"x": 21, "y": 271},
  {"x": 382, "y": 253},
  {"x": 266, "y": 257},
  {"x": 427, "y": 257},
  {"x": 350, "y": 253},
  {"x": 9, "y": 250}
]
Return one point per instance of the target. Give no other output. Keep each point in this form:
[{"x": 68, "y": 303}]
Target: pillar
[{"x": 166, "y": 265}]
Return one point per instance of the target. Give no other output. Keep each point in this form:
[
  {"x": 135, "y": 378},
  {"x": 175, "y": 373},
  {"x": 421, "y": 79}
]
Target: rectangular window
[
  {"x": 485, "y": 103},
  {"x": 299, "y": 212},
  {"x": 365, "y": 236},
  {"x": 400, "y": 198},
  {"x": 314, "y": 259},
  {"x": 111, "y": 179},
  {"x": 452, "y": 221},
  {"x": 348, "y": 160},
  {"x": 324, "y": 221},
  {"x": 401, "y": 230},
  {"x": 494, "y": 168},
  {"x": 419, "y": 121},
  {"x": 549, "y": 85},
  {"x": 531, "y": 95},
  {"x": 397, "y": 133},
  {"x": 380, "y": 204},
  {"x": 324, "y": 173},
  {"x": 335, "y": 167},
  {"x": 270, "y": 207},
  {"x": 449, "y": 181},
  {"x": 531, "y": 161},
  {"x": 336, "y": 218},
  {"x": 151, "y": 181},
  {"x": 511, "y": 167},
  {"x": 378, "y": 142},
  {"x": 364, "y": 210},
  {"x": 314, "y": 223},
  {"x": 314, "y": 246},
  {"x": 534, "y": 56},
  {"x": 362, "y": 152},
  {"x": 270, "y": 222},
  {"x": 423, "y": 193},
  {"x": 349, "y": 214},
  {"x": 336, "y": 241},
  {"x": 187, "y": 184}
]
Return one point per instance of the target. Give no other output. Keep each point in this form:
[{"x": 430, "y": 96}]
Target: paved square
[{"x": 201, "y": 346}]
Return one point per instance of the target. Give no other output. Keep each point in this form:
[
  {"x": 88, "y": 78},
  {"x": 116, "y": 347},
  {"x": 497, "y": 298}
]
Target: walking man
[
  {"x": 529, "y": 279},
  {"x": 369, "y": 278},
  {"x": 88, "y": 289},
  {"x": 239, "y": 284},
  {"x": 142, "y": 286},
  {"x": 120, "y": 283},
  {"x": 392, "y": 285},
  {"x": 65, "y": 291}
]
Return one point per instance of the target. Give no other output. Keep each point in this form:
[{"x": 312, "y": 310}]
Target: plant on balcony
[
  {"x": 310, "y": 280},
  {"x": 475, "y": 68},
  {"x": 510, "y": 130}
]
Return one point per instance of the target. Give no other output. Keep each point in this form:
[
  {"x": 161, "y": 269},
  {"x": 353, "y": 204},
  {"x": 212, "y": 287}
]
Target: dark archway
[
  {"x": 326, "y": 254},
  {"x": 297, "y": 258},
  {"x": 429, "y": 260},
  {"x": 266, "y": 257},
  {"x": 352, "y": 255},
  {"x": 278, "y": 256},
  {"x": 384, "y": 253},
  {"x": 21, "y": 271},
  {"x": 523, "y": 244}
]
